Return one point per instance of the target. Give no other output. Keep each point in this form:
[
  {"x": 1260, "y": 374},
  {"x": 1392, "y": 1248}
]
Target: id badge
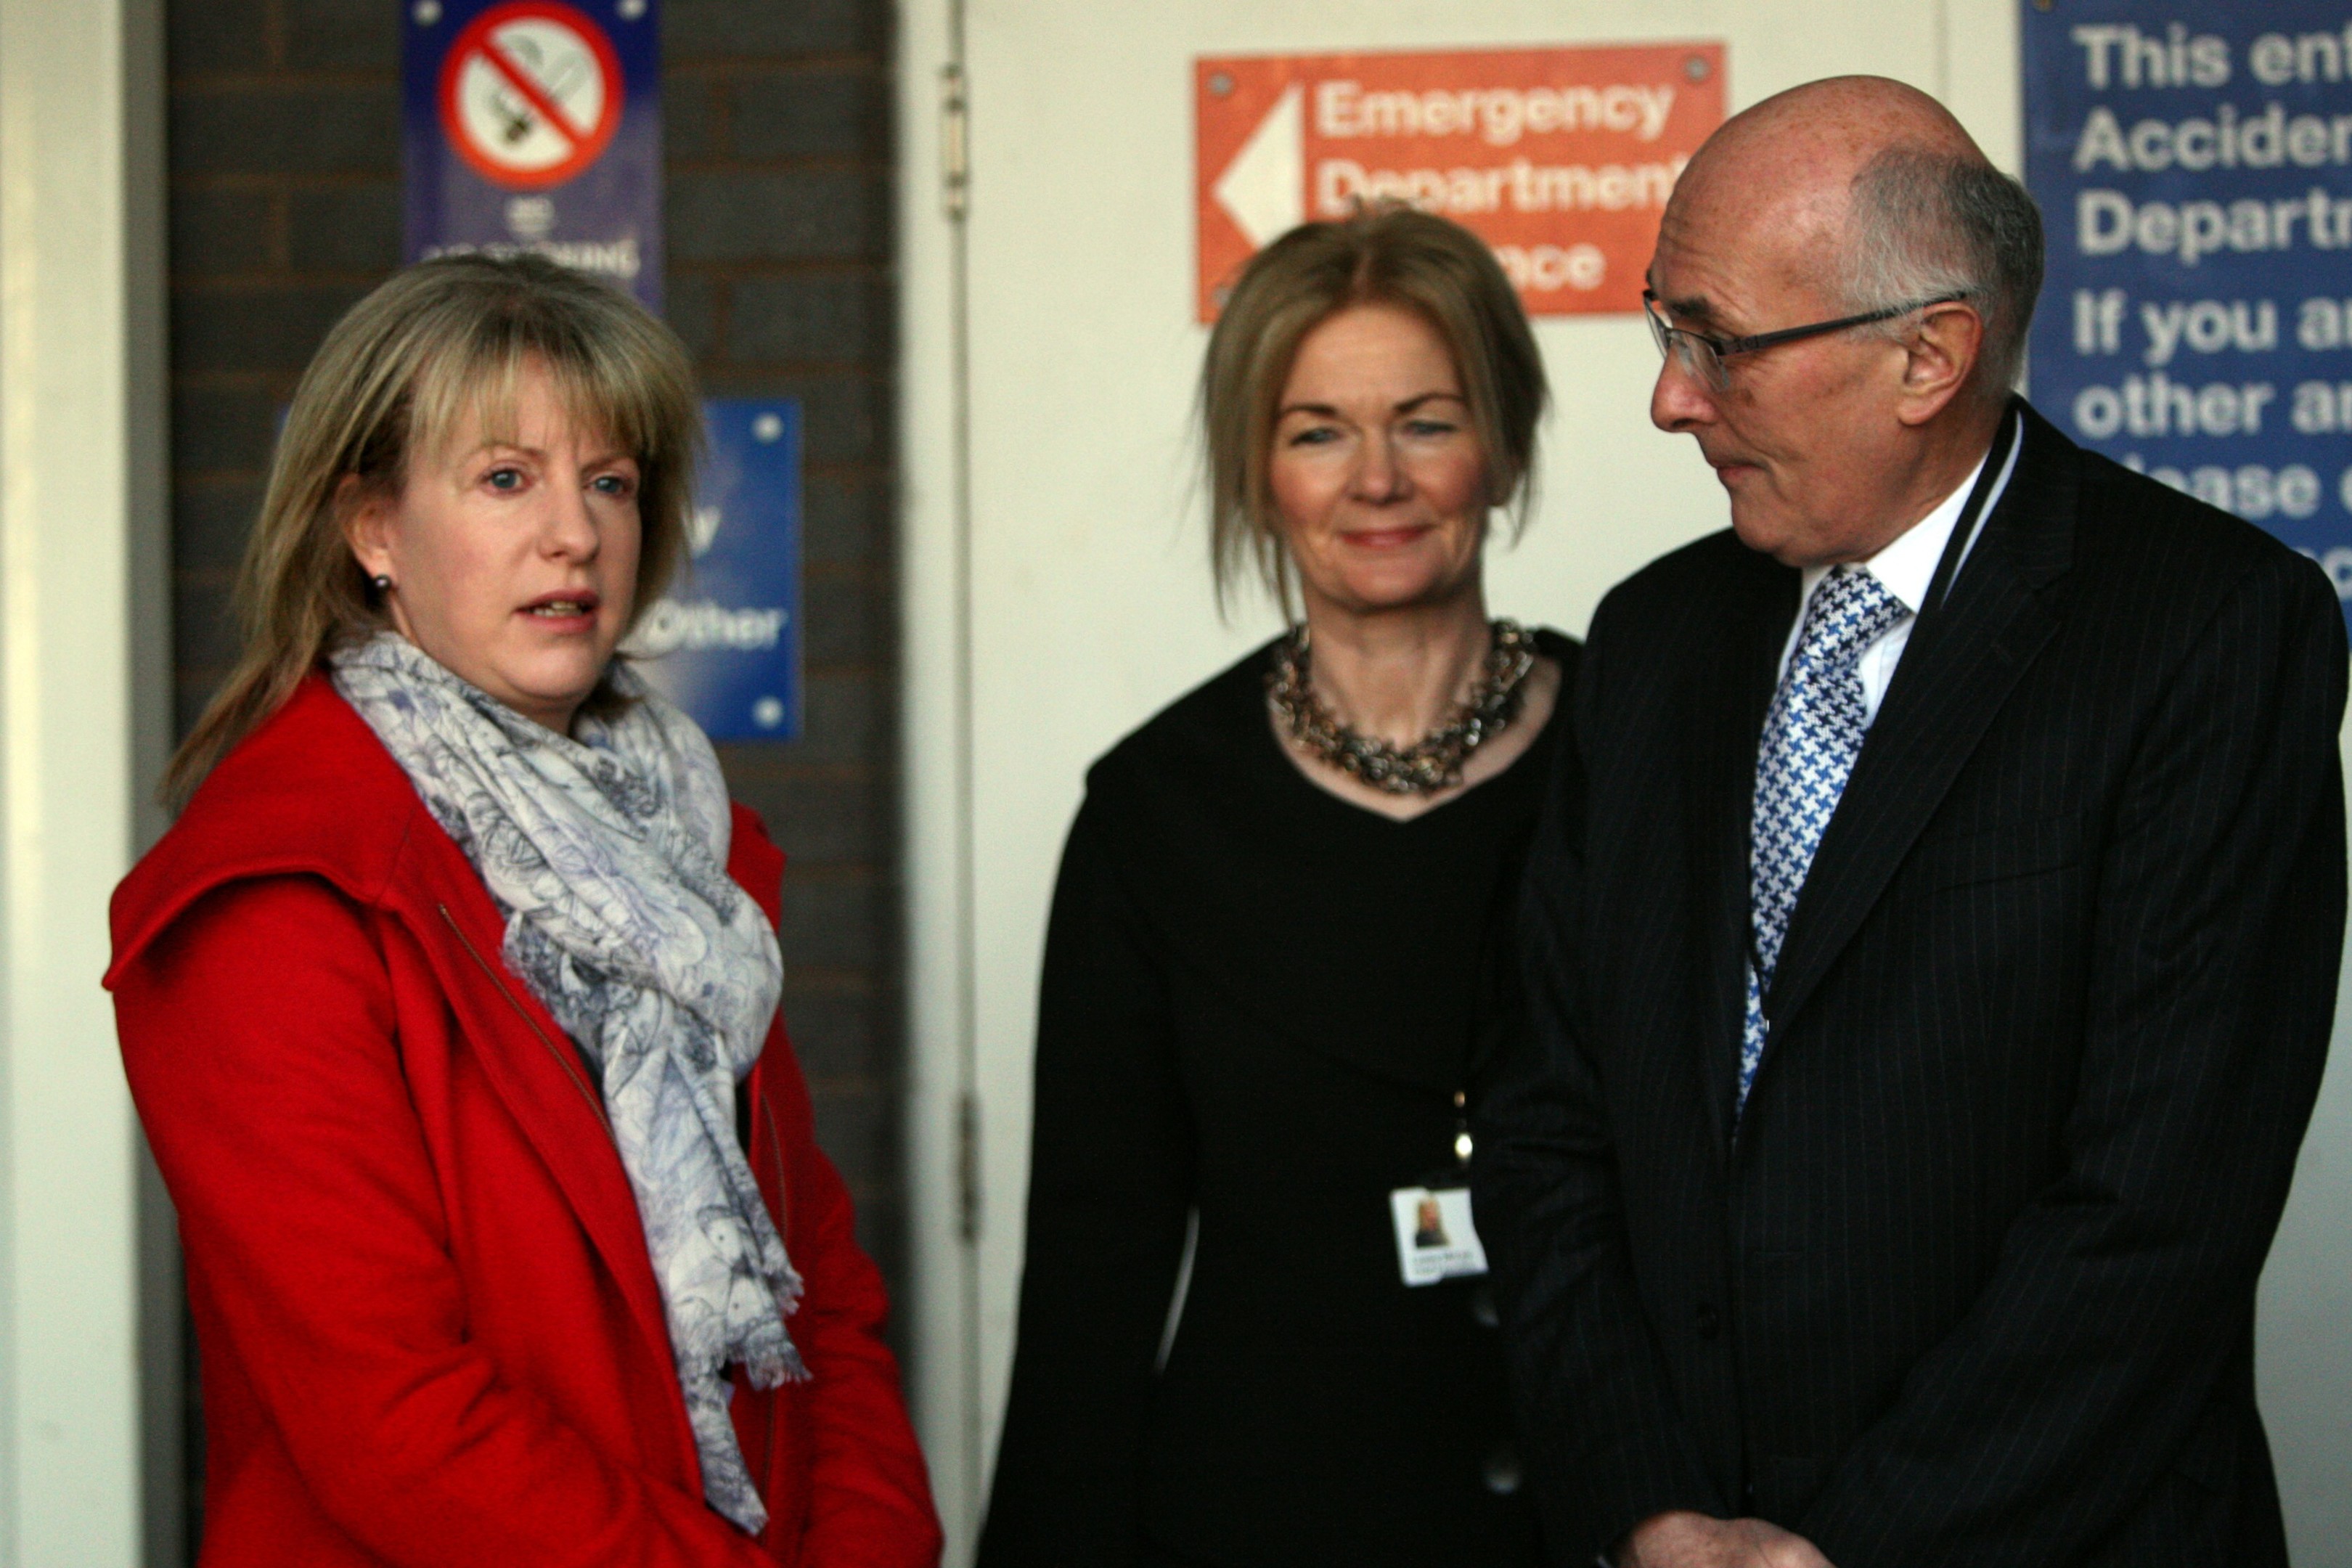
[{"x": 1435, "y": 1237}]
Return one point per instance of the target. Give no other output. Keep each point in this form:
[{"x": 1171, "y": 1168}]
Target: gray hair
[{"x": 1929, "y": 224}]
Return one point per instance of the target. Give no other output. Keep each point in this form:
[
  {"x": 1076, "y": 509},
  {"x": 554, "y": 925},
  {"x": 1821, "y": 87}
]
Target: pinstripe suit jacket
[{"x": 1972, "y": 1281}]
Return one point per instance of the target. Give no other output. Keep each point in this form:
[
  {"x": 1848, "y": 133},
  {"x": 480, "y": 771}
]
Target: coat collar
[
  {"x": 312, "y": 792},
  {"x": 1963, "y": 660}
]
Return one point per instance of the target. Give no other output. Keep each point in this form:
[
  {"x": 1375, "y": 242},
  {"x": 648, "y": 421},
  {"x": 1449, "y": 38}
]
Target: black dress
[{"x": 1259, "y": 1003}]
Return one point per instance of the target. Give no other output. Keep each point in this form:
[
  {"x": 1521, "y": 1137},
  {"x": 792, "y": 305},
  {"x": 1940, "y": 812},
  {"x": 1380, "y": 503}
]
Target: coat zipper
[
  {"x": 776, "y": 1158},
  {"x": 772, "y": 1407},
  {"x": 571, "y": 1069}
]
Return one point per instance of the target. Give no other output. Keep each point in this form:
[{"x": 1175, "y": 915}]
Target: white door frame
[
  {"x": 941, "y": 1308},
  {"x": 84, "y": 720}
]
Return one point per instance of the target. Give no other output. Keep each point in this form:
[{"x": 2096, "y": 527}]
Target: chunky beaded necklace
[{"x": 1429, "y": 764}]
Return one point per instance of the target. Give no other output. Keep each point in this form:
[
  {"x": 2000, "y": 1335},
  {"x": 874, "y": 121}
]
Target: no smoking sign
[
  {"x": 531, "y": 94},
  {"x": 535, "y": 125}
]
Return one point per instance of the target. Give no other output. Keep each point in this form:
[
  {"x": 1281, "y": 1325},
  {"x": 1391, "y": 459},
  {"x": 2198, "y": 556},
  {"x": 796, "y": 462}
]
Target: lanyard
[
  {"x": 1457, "y": 1174},
  {"x": 1956, "y": 549}
]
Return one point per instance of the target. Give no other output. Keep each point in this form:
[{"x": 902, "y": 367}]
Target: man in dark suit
[{"x": 1900, "y": 1127}]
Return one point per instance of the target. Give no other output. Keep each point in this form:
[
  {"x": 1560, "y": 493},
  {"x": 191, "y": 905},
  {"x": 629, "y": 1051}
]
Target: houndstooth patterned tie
[{"x": 1812, "y": 733}]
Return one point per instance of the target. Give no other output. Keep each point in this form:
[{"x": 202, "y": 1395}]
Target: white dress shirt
[{"x": 1906, "y": 569}]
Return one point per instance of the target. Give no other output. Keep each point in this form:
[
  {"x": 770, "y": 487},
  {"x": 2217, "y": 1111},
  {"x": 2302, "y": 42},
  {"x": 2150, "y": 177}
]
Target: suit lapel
[
  {"x": 1959, "y": 669},
  {"x": 1735, "y": 674}
]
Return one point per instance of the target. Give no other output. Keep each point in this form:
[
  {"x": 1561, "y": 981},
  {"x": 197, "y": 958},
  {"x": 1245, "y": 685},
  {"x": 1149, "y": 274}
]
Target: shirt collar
[{"x": 1907, "y": 567}]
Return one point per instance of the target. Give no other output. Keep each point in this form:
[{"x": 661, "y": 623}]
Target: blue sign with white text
[
  {"x": 725, "y": 643},
  {"x": 535, "y": 125},
  {"x": 2194, "y": 164}
]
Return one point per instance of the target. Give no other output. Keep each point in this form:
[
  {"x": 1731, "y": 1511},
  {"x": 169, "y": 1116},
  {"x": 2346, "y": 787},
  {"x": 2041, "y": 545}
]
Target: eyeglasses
[{"x": 1703, "y": 356}]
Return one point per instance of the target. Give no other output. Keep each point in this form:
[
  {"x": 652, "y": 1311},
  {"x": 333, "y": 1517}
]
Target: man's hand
[{"x": 1696, "y": 1540}]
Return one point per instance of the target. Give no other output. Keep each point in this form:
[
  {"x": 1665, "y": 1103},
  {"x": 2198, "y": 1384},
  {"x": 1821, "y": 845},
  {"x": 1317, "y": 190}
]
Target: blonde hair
[
  {"x": 399, "y": 375},
  {"x": 1387, "y": 255}
]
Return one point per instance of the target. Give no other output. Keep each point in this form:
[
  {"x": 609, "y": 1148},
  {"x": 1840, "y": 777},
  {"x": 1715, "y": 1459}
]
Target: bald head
[
  {"x": 1813, "y": 139},
  {"x": 1868, "y": 194},
  {"x": 1886, "y": 271}
]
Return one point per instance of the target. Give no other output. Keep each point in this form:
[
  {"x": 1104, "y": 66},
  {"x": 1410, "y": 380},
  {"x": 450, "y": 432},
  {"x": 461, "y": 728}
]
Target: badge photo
[{"x": 1434, "y": 1235}]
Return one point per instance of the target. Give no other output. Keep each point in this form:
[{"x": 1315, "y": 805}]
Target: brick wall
[{"x": 284, "y": 207}]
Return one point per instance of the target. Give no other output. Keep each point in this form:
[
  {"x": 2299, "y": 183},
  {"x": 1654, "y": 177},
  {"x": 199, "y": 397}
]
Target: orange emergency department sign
[{"x": 1560, "y": 159}]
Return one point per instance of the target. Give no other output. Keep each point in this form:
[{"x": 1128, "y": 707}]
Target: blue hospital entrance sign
[
  {"x": 2194, "y": 164},
  {"x": 724, "y": 642},
  {"x": 535, "y": 125}
]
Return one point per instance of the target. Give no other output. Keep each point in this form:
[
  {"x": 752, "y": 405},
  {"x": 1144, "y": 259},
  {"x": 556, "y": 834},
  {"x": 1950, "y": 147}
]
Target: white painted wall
[
  {"x": 1057, "y": 592},
  {"x": 83, "y": 679},
  {"x": 2302, "y": 1352}
]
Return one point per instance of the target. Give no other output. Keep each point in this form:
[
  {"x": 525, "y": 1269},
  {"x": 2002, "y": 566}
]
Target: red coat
[{"x": 430, "y": 1332}]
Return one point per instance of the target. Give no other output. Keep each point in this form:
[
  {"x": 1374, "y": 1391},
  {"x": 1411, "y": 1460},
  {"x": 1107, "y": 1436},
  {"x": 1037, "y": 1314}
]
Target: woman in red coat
[{"x": 449, "y": 1004}]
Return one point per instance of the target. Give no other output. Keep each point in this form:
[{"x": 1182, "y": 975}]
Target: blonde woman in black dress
[{"x": 1261, "y": 1009}]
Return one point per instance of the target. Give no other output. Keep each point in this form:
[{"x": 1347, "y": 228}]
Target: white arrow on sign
[{"x": 1264, "y": 189}]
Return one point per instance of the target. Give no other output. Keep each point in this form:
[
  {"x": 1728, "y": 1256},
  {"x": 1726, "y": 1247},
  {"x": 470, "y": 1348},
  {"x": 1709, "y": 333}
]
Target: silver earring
[{"x": 382, "y": 582}]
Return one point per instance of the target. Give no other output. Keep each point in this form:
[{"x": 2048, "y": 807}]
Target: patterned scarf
[{"x": 607, "y": 854}]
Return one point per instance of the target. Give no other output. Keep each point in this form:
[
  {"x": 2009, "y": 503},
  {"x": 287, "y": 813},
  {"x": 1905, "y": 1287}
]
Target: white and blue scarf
[{"x": 606, "y": 853}]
